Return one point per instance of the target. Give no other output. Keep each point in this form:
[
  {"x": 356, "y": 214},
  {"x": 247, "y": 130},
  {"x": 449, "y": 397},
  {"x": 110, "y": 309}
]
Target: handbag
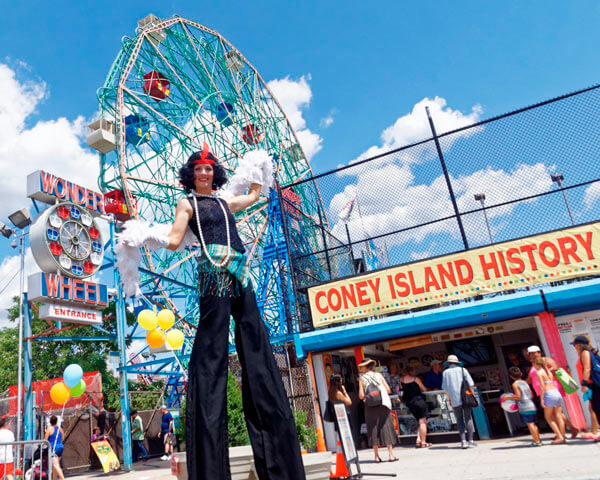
[
  {"x": 466, "y": 396},
  {"x": 329, "y": 415},
  {"x": 373, "y": 395},
  {"x": 568, "y": 383}
]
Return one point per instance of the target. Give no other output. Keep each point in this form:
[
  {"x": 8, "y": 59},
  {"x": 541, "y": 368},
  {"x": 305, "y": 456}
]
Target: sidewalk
[{"x": 506, "y": 459}]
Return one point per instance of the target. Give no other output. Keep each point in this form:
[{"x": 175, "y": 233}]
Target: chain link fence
[{"x": 523, "y": 173}]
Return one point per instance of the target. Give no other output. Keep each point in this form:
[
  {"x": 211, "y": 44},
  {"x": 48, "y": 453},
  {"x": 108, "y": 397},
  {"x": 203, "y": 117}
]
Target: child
[{"x": 526, "y": 406}]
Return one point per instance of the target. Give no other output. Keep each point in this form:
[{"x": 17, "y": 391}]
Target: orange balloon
[
  {"x": 60, "y": 393},
  {"x": 155, "y": 338}
]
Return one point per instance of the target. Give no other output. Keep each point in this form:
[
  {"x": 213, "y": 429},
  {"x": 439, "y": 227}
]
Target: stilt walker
[{"x": 224, "y": 290}]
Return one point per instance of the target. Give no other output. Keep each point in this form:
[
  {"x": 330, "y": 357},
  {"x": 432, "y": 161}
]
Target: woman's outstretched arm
[
  {"x": 183, "y": 214},
  {"x": 240, "y": 202}
]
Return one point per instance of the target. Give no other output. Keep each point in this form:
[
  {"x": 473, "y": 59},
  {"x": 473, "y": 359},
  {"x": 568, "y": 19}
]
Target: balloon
[
  {"x": 78, "y": 389},
  {"x": 166, "y": 319},
  {"x": 147, "y": 319},
  {"x": 59, "y": 393},
  {"x": 175, "y": 339},
  {"x": 155, "y": 338},
  {"x": 72, "y": 375},
  {"x": 508, "y": 405}
]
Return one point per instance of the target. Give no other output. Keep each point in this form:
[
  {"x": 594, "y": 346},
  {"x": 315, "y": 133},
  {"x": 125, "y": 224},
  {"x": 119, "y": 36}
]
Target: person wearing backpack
[
  {"x": 374, "y": 390},
  {"x": 459, "y": 387},
  {"x": 590, "y": 362}
]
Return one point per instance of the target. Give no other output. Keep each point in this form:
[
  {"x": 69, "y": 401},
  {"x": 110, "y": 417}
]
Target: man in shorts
[{"x": 166, "y": 432}]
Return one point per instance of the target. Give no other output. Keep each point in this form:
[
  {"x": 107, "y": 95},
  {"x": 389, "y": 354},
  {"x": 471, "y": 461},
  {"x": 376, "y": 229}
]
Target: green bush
[
  {"x": 238, "y": 435},
  {"x": 307, "y": 435}
]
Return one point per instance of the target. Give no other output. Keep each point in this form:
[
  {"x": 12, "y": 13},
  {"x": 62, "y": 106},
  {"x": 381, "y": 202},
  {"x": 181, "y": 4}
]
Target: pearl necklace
[{"x": 220, "y": 202}]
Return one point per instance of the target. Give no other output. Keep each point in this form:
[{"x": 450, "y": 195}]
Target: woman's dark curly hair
[{"x": 186, "y": 173}]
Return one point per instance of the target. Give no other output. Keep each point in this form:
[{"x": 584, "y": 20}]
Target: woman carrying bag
[
  {"x": 375, "y": 392},
  {"x": 459, "y": 387}
]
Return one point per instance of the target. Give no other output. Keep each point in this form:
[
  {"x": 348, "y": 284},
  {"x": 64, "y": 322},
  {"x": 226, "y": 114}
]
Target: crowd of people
[{"x": 538, "y": 375}]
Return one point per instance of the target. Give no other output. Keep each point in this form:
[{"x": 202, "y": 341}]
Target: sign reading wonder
[{"x": 552, "y": 256}]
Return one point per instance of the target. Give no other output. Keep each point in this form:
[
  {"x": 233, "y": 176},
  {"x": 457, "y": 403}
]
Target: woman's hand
[{"x": 241, "y": 202}]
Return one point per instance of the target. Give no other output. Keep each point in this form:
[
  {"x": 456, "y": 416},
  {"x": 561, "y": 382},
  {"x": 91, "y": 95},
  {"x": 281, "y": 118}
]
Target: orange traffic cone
[
  {"x": 341, "y": 470},
  {"x": 320, "y": 441}
]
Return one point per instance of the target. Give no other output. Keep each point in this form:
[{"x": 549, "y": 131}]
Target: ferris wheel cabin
[{"x": 101, "y": 136}]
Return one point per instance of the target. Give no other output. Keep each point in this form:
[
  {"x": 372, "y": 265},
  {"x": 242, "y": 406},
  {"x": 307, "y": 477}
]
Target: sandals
[
  {"x": 423, "y": 445},
  {"x": 393, "y": 459},
  {"x": 378, "y": 460}
]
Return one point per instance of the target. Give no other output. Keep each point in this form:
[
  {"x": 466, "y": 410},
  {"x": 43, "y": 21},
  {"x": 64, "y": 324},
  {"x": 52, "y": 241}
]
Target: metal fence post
[
  {"x": 443, "y": 162},
  {"x": 29, "y": 405}
]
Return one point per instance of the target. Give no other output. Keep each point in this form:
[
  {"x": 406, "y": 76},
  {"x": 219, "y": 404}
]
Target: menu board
[{"x": 345, "y": 433}]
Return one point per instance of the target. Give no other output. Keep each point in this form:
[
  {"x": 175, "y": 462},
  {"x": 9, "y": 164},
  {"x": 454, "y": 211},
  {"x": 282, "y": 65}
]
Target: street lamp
[
  {"x": 558, "y": 179},
  {"x": 5, "y": 230},
  {"x": 20, "y": 219},
  {"x": 480, "y": 197}
]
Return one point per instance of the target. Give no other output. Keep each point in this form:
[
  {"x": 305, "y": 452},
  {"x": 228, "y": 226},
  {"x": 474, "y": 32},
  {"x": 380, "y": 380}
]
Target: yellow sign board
[
  {"x": 107, "y": 456},
  {"x": 552, "y": 256}
]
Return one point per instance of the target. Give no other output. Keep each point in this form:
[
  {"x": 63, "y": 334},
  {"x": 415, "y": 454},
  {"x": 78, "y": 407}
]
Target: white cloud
[
  {"x": 294, "y": 96},
  {"x": 9, "y": 282},
  {"x": 414, "y": 127},
  {"x": 591, "y": 195},
  {"x": 326, "y": 121},
  {"x": 54, "y": 145}
]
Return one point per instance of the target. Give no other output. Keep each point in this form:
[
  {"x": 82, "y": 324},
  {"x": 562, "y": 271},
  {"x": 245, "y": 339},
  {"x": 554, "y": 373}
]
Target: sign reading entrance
[{"x": 552, "y": 256}]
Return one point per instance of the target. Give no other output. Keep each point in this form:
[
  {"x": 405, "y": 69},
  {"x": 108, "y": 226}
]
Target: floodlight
[
  {"x": 480, "y": 197},
  {"x": 5, "y": 230},
  {"x": 557, "y": 177},
  {"x": 21, "y": 218}
]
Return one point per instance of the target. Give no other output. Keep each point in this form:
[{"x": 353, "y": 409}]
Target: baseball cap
[
  {"x": 435, "y": 362},
  {"x": 163, "y": 407},
  {"x": 581, "y": 340},
  {"x": 533, "y": 349}
]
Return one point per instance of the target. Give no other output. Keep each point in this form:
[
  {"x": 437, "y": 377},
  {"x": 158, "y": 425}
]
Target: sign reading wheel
[{"x": 67, "y": 245}]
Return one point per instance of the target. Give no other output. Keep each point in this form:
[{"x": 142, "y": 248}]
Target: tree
[{"x": 51, "y": 357}]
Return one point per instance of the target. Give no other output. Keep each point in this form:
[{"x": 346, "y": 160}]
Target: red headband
[{"x": 204, "y": 160}]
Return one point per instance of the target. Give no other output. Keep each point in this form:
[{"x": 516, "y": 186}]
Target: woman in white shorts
[{"x": 551, "y": 400}]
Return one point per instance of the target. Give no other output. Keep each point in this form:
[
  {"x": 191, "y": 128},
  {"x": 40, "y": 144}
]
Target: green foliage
[
  {"x": 238, "y": 435},
  {"x": 307, "y": 435}
]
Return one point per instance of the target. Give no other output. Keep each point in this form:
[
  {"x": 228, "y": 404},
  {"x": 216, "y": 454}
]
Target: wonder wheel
[{"x": 173, "y": 86}]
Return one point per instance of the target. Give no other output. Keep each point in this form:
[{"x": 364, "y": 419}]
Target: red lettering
[
  {"x": 52, "y": 283},
  {"x": 464, "y": 278},
  {"x": 79, "y": 290},
  {"x": 99, "y": 202},
  {"x": 515, "y": 260},
  {"x": 586, "y": 244},
  {"x": 91, "y": 199},
  {"x": 404, "y": 288},
  {"x": 446, "y": 274},
  {"x": 502, "y": 262},
  {"x": 348, "y": 294},
  {"x": 91, "y": 292},
  {"x": 66, "y": 291},
  {"x": 47, "y": 182},
  {"x": 330, "y": 294},
  {"x": 361, "y": 290},
  {"x": 430, "y": 280},
  {"x": 568, "y": 246},
  {"x": 542, "y": 251},
  {"x": 528, "y": 249},
  {"x": 60, "y": 188},
  {"x": 391, "y": 285},
  {"x": 318, "y": 296},
  {"x": 375, "y": 288},
  {"x": 485, "y": 266},
  {"x": 415, "y": 290}
]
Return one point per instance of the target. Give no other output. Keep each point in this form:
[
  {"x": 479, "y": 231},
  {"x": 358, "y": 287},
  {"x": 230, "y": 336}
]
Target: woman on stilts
[{"x": 225, "y": 290}]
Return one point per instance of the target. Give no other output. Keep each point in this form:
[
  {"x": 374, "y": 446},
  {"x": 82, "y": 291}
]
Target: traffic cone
[
  {"x": 341, "y": 470},
  {"x": 320, "y": 441}
]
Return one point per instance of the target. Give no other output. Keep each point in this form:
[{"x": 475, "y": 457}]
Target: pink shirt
[{"x": 535, "y": 383}]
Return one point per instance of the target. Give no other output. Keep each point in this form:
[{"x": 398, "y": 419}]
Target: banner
[
  {"x": 549, "y": 257},
  {"x": 107, "y": 456}
]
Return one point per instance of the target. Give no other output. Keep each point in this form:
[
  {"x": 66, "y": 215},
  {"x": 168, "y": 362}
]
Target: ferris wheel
[{"x": 172, "y": 87}]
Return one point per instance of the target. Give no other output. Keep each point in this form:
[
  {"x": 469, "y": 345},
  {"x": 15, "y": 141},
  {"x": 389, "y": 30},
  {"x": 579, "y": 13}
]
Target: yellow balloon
[
  {"x": 155, "y": 338},
  {"x": 147, "y": 319},
  {"x": 175, "y": 339},
  {"x": 166, "y": 319},
  {"x": 60, "y": 393}
]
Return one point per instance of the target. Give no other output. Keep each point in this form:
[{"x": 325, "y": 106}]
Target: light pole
[
  {"x": 558, "y": 179},
  {"x": 480, "y": 197},
  {"x": 21, "y": 219}
]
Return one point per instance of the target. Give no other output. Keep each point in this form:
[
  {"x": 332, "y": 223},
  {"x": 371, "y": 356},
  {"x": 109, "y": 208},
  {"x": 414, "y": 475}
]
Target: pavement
[{"x": 503, "y": 459}]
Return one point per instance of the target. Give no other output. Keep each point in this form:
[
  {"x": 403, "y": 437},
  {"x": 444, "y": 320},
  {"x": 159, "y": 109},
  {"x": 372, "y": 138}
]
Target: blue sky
[{"x": 365, "y": 64}]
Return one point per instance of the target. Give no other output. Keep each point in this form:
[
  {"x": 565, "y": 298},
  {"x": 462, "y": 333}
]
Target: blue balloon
[{"x": 72, "y": 375}]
